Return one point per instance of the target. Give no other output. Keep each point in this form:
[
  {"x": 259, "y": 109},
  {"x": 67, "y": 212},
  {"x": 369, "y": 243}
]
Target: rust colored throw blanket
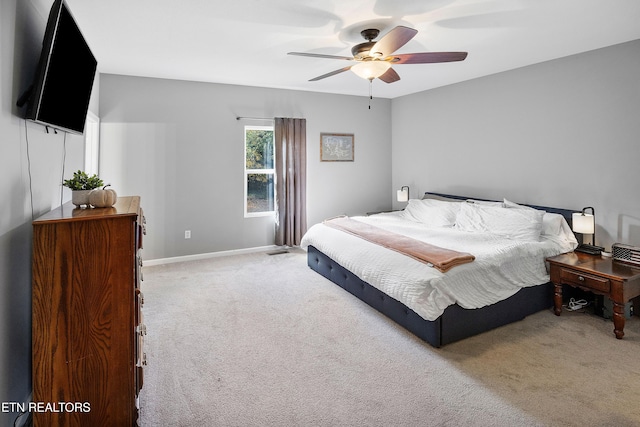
[{"x": 440, "y": 258}]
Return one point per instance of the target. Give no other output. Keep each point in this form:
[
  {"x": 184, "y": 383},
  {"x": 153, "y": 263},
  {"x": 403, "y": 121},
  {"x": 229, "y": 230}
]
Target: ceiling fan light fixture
[{"x": 370, "y": 70}]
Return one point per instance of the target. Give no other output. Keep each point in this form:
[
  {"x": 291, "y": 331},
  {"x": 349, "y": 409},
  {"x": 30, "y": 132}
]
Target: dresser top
[{"x": 125, "y": 206}]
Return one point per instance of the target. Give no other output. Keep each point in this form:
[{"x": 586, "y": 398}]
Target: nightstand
[{"x": 618, "y": 281}]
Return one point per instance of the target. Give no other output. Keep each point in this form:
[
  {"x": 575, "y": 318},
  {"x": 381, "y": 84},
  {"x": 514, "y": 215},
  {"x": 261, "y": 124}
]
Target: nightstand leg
[
  {"x": 618, "y": 320},
  {"x": 557, "y": 299}
]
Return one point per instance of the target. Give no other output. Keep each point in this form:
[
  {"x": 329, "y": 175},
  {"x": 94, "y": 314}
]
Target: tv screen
[{"x": 62, "y": 87}]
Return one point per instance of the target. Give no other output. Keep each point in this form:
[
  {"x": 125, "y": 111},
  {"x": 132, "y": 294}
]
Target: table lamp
[
  {"x": 403, "y": 194},
  {"x": 585, "y": 223}
]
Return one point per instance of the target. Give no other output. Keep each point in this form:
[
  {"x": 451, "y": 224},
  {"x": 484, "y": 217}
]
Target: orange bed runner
[{"x": 440, "y": 258}]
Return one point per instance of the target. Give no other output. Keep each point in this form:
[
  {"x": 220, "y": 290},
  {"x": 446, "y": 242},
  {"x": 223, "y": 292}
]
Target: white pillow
[
  {"x": 433, "y": 213},
  {"x": 551, "y": 222},
  {"x": 510, "y": 204},
  {"x": 518, "y": 224}
]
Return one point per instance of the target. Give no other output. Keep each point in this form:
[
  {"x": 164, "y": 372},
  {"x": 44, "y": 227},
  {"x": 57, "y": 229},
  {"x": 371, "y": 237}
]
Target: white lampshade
[
  {"x": 403, "y": 195},
  {"x": 371, "y": 69},
  {"x": 583, "y": 223}
]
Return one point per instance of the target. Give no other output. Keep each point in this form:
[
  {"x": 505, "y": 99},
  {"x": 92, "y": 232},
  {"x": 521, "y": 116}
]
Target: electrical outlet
[{"x": 187, "y": 234}]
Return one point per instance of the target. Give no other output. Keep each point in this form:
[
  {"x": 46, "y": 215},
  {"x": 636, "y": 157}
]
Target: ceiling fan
[{"x": 374, "y": 58}]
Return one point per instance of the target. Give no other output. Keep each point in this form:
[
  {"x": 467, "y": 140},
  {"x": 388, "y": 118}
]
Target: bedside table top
[{"x": 596, "y": 264}]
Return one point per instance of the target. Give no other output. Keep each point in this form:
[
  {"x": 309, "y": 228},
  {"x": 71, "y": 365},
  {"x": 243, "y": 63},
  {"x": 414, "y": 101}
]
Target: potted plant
[{"x": 81, "y": 185}]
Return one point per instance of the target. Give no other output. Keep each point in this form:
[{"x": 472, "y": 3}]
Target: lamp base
[{"x": 589, "y": 249}]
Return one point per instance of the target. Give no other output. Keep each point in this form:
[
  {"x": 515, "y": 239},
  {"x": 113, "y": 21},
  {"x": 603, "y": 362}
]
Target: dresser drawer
[{"x": 572, "y": 277}]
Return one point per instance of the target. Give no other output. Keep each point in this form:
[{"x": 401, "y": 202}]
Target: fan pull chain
[{"x": 370, "y": 92}]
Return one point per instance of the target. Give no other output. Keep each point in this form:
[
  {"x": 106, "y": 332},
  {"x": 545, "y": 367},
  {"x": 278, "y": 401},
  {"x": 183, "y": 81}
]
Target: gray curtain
[{"x": 291, "y": 180}]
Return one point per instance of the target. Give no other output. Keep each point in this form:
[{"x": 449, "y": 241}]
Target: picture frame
[{"x": 336, "y": 147}]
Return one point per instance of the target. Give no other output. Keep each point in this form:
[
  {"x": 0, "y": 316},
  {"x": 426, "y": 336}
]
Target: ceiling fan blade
[
  {"x": 393, "y": 41},
  {"x": 320, "y": 55},
  {"x": 333, "y": 73},
  {"x": 426, "y": 57},
  {"x": 390, "y": 76}
]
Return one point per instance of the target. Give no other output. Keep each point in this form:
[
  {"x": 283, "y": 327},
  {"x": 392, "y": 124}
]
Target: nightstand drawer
[{"x": 572, "y": 277}]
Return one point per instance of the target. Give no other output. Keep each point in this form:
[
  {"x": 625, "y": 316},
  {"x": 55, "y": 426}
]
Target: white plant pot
[{"x": 80, "y": 197}]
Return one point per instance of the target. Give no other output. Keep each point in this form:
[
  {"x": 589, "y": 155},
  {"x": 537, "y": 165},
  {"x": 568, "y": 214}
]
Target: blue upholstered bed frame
[{"x": 455, "y": 323}]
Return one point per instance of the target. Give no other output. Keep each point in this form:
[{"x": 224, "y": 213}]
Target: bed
[{"x": 506, "y": 280}]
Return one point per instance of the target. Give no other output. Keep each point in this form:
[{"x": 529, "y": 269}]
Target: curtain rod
[{"x": 254, "y": 118}]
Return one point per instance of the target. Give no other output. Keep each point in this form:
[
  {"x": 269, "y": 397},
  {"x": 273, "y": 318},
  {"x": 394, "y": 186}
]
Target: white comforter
[{"x": 502, "y": 265}]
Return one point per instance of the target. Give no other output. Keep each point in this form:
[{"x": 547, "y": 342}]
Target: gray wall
[
  {"x": 563, "y": 133},
  {"x": 31, "y": 164},
  {"x": 178, "y": 145}
]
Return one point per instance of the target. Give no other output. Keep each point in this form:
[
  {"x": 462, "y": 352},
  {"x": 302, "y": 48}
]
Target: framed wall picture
[{"x": 336, "y": 147}]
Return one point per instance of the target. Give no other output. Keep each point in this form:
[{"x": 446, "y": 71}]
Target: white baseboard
[{"x": 196, "y": 257}]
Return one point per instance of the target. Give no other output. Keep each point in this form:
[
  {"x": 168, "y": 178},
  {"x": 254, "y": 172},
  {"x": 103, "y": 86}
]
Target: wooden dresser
[{"x": 87, "y": 326}]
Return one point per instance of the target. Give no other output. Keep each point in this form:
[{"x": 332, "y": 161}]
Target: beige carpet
[{"x": 259, "y": 340}]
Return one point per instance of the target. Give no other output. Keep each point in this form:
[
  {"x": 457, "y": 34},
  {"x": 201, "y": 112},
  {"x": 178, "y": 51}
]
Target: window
[{"x": 259, "y": 171}]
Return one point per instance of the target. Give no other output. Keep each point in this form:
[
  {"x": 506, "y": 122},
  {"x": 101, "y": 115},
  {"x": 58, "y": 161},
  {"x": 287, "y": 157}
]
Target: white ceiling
[{"x": 245, "y": 42}]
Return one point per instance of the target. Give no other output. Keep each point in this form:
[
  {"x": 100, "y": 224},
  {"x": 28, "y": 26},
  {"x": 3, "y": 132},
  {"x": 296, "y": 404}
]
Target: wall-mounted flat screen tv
[{"x": 62, "y": 86}]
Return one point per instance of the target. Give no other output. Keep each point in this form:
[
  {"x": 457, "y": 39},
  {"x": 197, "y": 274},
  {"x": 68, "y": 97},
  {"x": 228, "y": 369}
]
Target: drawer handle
[
  {"x": 581, "y": 278},
  {"x": 141, "y": 329},
  {"x": 142, "y": 360}
]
